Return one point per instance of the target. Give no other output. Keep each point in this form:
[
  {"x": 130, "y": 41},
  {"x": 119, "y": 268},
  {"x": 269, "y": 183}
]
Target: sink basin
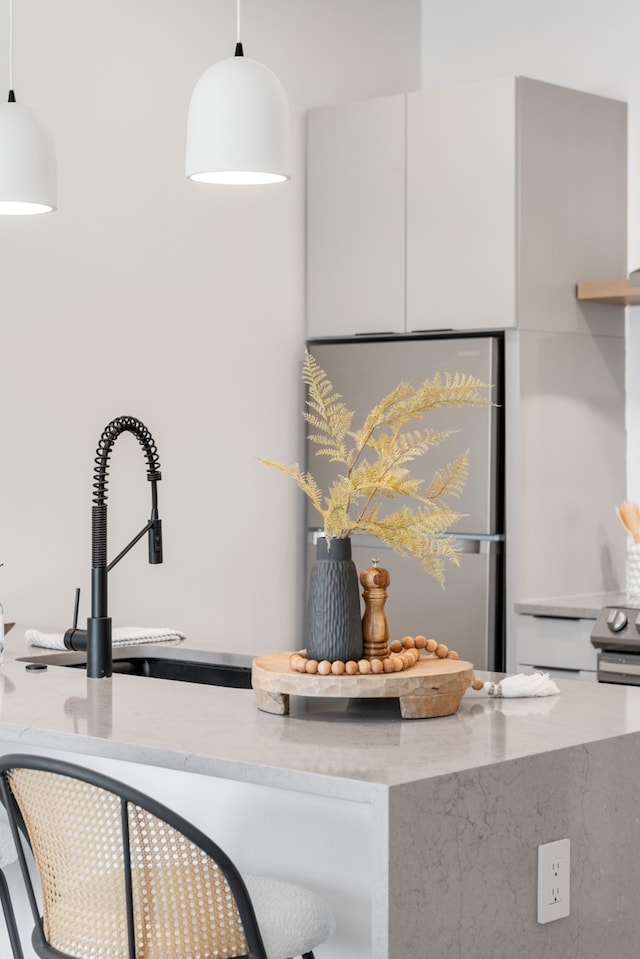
[{"x": 157, "y": 662}]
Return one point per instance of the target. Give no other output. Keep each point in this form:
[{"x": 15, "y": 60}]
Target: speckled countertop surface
[
  {"x": 330, "y": 747},
  {"x": 580, "y": 606}
]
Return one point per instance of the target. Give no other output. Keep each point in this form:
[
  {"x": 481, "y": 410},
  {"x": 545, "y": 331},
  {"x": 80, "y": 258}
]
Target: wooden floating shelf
[{"x": 616, "y": 292}]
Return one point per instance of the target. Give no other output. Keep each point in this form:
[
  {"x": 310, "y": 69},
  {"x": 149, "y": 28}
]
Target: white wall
[
  {"x": 183, "y": 305},
  {"x": 588, "y": 46},
  {"x": 177, "y": 303}
]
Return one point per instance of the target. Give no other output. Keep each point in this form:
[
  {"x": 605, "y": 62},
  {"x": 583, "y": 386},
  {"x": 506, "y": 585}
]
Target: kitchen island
[{"x": 422, "y": 834}]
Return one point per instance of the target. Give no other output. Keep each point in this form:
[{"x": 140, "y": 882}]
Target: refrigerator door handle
[
  {"x": 486, "y": 545},
  {"x": 467, "y": 542}
]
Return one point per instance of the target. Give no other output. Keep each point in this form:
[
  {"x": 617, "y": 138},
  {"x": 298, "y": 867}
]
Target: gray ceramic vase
[{"x": 334, "y": 620}]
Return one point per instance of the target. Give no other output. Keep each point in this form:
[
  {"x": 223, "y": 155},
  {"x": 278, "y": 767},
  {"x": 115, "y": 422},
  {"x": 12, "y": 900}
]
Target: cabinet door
[
  {"x": 545, "y": 642},
  {"x": 461, "y": 207},
  {"x": 355, "y": 218},
  {"x": 573, "y": 205}
]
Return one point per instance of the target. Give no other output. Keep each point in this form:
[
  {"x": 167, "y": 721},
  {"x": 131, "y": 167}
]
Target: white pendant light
[
  {"x": 27, "y": 155},
  {"x": 239, "y": 125}
]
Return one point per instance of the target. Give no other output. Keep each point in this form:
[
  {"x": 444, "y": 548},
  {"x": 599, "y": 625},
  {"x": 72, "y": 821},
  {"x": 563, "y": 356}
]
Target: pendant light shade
[
  {"x": 238, "y": 130},
  {"x": 27, "y": 163},
  {"x": 239, "y": 125},
  {"x": 27, "y": 155}
]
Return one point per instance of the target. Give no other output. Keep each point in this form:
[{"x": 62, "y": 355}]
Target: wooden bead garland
[{"x": 402, "y": 654}]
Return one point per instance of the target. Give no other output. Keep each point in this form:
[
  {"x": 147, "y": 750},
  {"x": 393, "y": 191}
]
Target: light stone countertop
[
  {"x": 580, "y": 606},
  {"x": 331, "y": 747}
]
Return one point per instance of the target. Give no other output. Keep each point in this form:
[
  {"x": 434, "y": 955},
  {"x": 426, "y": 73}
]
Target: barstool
[{"x": 121, "y": 875}]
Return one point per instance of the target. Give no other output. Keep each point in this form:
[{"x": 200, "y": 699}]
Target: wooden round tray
[{"x": 431, "y": 687}]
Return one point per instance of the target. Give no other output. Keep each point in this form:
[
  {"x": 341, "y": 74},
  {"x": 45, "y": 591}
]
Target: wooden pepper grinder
[{"x": 375, "y": 628}]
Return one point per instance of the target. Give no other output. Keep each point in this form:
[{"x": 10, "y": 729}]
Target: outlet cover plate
[{"x": 554, "y": 862}]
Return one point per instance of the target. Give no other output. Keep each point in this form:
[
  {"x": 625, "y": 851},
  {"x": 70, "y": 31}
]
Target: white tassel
[{"x": 512, "y": 687}]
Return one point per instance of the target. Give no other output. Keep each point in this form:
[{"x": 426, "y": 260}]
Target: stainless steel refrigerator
[{"x": 468, "y": 614}]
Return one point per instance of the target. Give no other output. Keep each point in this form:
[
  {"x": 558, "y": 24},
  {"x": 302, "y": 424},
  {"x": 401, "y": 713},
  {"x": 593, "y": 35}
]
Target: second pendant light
[{"x": 239, "y": 125}]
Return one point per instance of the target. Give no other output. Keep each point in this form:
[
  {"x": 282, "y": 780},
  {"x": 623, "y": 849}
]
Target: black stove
[{"x": 616, "y": 636}]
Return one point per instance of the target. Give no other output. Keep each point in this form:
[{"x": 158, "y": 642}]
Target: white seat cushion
[{"x": 292, "y": 920}]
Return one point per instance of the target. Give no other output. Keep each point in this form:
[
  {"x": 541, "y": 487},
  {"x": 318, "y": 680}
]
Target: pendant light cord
[
  {"x": 12, "y": 95},
  {"x": 239, "y": 51}
]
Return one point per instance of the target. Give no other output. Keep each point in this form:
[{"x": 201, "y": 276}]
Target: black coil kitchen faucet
[{"x": 96, "y": 638}]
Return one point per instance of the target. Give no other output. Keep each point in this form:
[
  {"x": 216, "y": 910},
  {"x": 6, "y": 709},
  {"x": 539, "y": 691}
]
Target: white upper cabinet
[
  {"x": 476, "y": 206},
  {"x": 356, "y": 220},
  {"x": 461, "y": 207}
]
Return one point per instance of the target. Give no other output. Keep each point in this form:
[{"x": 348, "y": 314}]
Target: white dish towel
[{"x": 121, "y": 636}]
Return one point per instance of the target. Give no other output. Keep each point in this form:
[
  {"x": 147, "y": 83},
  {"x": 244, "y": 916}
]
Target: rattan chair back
[{"x": 122, "y": 877}]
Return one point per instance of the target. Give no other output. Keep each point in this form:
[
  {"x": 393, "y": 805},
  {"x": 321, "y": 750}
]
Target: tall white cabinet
[
  {"x": 479, "y": 207},
  {"x": 475, "y": 206}
]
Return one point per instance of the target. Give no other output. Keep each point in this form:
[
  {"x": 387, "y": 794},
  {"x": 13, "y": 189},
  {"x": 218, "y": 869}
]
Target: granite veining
[{"x": 475, "y": 860}]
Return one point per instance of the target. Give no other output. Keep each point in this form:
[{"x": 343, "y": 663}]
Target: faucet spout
[{"x": 97, "y": 639}]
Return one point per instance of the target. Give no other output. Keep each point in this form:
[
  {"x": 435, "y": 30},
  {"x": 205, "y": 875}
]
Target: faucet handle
[
  {"x": 75, "y": 638},
  {"x": 76, "y": 606},
  {"x": 155, "y": 541}
]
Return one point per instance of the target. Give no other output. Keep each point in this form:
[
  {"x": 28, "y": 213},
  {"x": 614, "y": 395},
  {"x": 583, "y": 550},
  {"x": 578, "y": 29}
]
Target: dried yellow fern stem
[{"x": 376, "y": 460}]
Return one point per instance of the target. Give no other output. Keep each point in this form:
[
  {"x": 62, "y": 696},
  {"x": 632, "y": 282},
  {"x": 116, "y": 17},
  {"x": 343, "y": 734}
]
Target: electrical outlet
[{"x": 553, "y": 880}]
